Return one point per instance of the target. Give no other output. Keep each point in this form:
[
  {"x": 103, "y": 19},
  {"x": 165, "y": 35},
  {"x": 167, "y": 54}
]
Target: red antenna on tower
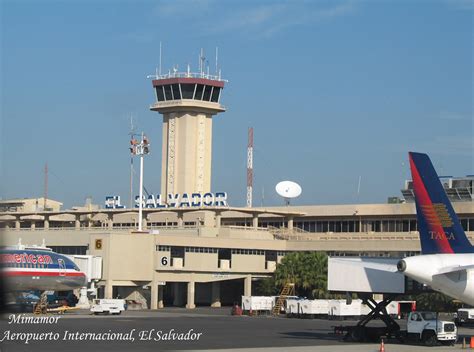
[{"x": 250, "y": 167}]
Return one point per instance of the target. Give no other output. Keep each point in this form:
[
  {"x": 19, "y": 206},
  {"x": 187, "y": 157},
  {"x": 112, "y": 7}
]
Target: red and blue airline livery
[
  {"x": 39, "y": 268},
  {"x": 447, "y": 260},
  {"x": 438, "y": 224}
]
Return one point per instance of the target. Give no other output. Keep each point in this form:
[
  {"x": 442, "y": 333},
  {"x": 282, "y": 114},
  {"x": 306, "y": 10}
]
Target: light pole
[{"x": 140, "y": 148}]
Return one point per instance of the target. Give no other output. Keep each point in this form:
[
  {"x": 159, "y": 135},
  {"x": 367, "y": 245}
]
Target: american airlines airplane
[
  {"x": 447, "y": 260},
  {"x": 38, "y": 268}
]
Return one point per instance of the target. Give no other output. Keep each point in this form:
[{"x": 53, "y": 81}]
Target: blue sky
[{"x": 335, "y": 90}]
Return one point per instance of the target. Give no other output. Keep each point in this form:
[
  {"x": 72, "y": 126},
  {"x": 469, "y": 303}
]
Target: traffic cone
[
  {"x": 382, "y": 346},
  {"x": 471, "y": 345}
]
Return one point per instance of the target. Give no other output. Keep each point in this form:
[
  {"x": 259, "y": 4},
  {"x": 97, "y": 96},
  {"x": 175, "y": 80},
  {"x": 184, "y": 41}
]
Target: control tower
[{"x": 188, "y": 101}]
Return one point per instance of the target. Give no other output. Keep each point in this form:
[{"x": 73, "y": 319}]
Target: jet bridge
[{"x": 366, "y": 277}]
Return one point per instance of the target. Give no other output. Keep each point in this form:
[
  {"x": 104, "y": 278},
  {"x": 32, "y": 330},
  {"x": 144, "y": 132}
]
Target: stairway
[
  {"x": 288, "y": 290},
  {"x": 42, "y": 305}
]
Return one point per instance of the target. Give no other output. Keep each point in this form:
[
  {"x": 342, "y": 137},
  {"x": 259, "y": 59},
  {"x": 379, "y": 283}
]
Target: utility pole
[
  {"x": 250, "y": 167},
  {"x": 45, "y": 202},
  {"x": 140, "y": 148}
]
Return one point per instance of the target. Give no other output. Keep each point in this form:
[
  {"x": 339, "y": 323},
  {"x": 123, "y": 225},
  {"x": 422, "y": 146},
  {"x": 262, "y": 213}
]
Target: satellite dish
[{"x": 288, "y": 190}]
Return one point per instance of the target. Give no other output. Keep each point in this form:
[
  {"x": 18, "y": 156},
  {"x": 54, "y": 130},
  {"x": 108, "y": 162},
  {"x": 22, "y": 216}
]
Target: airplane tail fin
[{"x": 438, "y": 225}]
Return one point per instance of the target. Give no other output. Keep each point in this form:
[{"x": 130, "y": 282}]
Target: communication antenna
[
  {"x": 141, "y": 149},
  {"x": 217, "y": 55},
  {"x": 160, "y": 60},
  {"x": 202, "y": 60},
  {"x": 132, "y": 135},
  {"x": 288, "y": 190},
  {"x": 250, "y": 167},
  {"x": 358, "y": 186},
  {"x": 45, "y": 201}
]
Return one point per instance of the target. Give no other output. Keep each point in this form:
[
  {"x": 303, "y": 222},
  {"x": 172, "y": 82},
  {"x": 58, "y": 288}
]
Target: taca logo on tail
[{"x": 438, "y": 225}]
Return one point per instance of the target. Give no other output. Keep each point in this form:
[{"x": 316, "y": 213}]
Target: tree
[
  {"x": 266, "y": 287},
  {"x": 307, "y": 270},
  {"x": 436, "y": 302}
]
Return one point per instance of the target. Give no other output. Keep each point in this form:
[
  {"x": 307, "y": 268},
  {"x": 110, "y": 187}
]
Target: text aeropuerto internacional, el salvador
[{"x": 130, "y": 336}]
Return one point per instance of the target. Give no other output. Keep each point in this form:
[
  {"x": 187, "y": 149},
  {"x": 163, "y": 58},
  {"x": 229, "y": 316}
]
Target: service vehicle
[
  {"x": 108, "y": 306},
  {"x": 424, "y": 327},
  {"x": 465, "y": 315},
  {"x": 427, "y": 328}
]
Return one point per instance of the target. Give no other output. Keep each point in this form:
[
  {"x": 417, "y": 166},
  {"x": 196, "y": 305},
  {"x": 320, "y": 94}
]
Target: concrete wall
[
  {"x": 201, "y": 261},
  {"x": 248, "y": 263},
  {"x": 126, "y": 257}
]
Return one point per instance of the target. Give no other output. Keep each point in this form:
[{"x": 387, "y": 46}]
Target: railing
[
  {"x": 351, "y": 236},
  {"x": 187, "y": 75},
  {"x": 285, "y": 234},
  {"x": 247, "y": 228},
  {"x": 103, "y": 228},
  {"x": 284, "y": 231}
]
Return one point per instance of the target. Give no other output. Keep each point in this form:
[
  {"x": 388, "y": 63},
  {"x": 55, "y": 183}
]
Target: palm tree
[{"x": 307, "y": 270}]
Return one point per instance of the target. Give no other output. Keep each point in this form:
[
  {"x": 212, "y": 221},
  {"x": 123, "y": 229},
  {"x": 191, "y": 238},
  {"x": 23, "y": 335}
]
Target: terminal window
[
  {"x": 200, "y": 250},
  {"x": 248, "y": 251},
  {"x": 80, "y": 250},
  {"x": 163, "y": 248}
]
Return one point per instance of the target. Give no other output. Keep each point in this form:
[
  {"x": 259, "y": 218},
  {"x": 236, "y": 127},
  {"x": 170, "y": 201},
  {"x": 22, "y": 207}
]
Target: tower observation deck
[{"x": 188, "y": 102}]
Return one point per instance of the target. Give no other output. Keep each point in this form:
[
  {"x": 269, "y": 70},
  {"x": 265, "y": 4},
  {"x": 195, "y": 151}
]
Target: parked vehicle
[
  {"x": 464, "y": 315},
  {"x": 108, "y": 306},
  {"x": 427, "y": 328}
]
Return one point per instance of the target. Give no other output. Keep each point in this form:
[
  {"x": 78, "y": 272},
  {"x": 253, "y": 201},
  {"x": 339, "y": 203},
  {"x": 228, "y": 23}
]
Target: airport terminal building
[
  {"x": 207, "y": 252},
  {"x": 212, "y": 256}
]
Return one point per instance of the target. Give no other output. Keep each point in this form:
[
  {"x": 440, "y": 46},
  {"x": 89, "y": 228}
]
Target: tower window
[
  {"x": 187, "y": 90},
  {"x": 215, "y": 94},
  {"x": 168, "y": 92},
  {"x": 176, "y": 92},
  {"x": 207, "y": 93},
  {"x": 159, "y": 93},
  {"x": 199, "y": 91}
]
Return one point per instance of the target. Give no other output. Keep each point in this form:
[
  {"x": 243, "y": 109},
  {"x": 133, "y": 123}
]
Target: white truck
[
  {"x": 465, "y": 315},
  {"x": 427, "y": 328},
  {"x": 108, "y": 306}
]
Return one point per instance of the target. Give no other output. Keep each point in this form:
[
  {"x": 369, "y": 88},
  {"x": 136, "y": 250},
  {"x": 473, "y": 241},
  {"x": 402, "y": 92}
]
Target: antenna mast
[
  {"x": 132, "y": 137},
  {"x": 45, "y": 202},
  {"x": 250, "y": 167},
  {"x": 160, "y": 61},
  {"x": 217, "y": 54}
]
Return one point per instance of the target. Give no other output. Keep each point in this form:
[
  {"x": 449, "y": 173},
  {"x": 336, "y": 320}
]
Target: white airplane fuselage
[{"x": 452, "y": 274}]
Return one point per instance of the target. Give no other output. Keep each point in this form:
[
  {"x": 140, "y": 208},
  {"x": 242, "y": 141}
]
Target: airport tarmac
[{"x": 204, "y": 329}]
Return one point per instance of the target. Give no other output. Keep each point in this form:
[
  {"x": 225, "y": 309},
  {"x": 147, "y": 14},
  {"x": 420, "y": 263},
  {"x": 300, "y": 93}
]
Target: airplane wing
[{"x": 454, "y": 269}]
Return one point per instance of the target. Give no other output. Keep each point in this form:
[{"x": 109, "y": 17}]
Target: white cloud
[
  {"x": 448, "y": 145},
  {"x": 462, "y": 5},
  {"x": 257, "y": 18},
  {"x": 183, "y": 8},
  {"x": 454, "y": 116}
]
